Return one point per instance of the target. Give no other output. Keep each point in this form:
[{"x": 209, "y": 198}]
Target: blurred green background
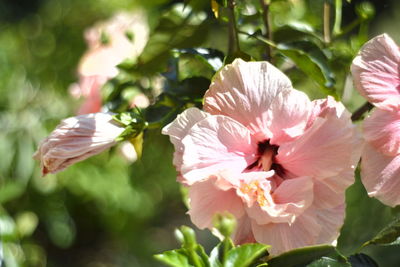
[{"x": 105, "y": 211}]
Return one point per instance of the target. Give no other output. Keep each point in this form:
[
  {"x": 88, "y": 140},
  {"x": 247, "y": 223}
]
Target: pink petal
[
  {"x": 179, "y": 128},
  {"x": 214, "y": 144},
  {"x": 330, "y": 192},
  {"x": 245, "y": 91},
  {"x": 289, "y": 200},
  {"x": 206, "y": 199},
  {"x": 324, "y": 150},
  {"x": 284, "y": 237},
  {"x": 243, "y": 233},
  {"x": 376, "y": 72},
  {"x": 288, "y": 116},
  {"x": 382, "y": 130},
  {"x": 332, "y": 219},
  {"x": 380, "y": 175}
]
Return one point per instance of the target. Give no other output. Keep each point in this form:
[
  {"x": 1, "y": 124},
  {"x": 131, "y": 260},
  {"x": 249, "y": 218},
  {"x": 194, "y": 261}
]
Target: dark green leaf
[
  {"x": 245, "y": 255},
  {"x": 310, "y": 59},
  {"x": 388, "y": 235},
  {"x": 365, "y": 217},
  {"x": 362, "y": 260},
  {"x": 174, "y": 258},
  {"x": 328, "y": 262},
  {"x": 301, "y": 256},
  {"x": 296, "y": 31}
]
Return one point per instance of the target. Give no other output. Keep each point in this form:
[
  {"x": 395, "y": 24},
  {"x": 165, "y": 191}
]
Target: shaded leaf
[
  {"x": 362, "y": 260},
  {"x": 245, "y": 255},
  {"x": 328, "y": 262},
  {"x": 310, "y": 59},
  {"x": 389, "y": 235},
  {"x": 301, "y": 256},
  {"x": 365, "y": 217}
]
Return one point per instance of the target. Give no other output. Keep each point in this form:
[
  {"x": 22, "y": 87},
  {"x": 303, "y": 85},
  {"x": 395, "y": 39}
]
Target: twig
[
  {"x": 338, "y": 17},
  {"x": 327, "y": 26},
  {"x": 233, "y": 32},
  {"x": 361, "y": 110},
  {"x": 267, "y": 24}
]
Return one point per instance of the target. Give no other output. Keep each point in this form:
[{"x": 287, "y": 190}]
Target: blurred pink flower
[
  {"x": 75, "y": 139},
  {"x": 124, "y": 36},
  {"x": 376, "y": 74},
  {"x": 264, "y": 152}
]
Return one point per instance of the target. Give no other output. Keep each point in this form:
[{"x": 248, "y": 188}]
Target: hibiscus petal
[
  {"x": 290, "y": 199},
  {"x": 215, "y": 144},
  {"x": 330, "y": 192},
  {"x": 179, "y": 128},
  {"x": 207, "y": 199},
  {"x": 243, "y": 233},
  {"x": 325, "y": 149},
  {"x": 376, "y": 72},
  {"x": 382, "y": 130},
  {"x": 245, "y": 91},
  {"x": 332, "y": 219},
  {"x": 284, "y": 237},
  {"x": 288, "y": 116},
  {"x": 380, "y": 175}
]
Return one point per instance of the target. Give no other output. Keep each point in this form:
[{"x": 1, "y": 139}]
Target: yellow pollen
[{"x": 253, "y": 190}]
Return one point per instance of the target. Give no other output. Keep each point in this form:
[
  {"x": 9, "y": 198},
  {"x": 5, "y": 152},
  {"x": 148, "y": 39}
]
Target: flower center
[{"x": 266, "y": 159}]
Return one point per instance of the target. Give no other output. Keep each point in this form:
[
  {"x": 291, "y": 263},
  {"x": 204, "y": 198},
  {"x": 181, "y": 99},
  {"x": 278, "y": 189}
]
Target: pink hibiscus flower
[
  {"x": 126, "y": 35},
  {"x": 264, "y": 152},
  {"x": 75, "y": 139},
  {"x": 376, "y": 74}
]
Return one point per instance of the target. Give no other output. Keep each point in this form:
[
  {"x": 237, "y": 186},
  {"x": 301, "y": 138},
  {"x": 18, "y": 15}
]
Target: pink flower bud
[{"x": 75, "y": 139}]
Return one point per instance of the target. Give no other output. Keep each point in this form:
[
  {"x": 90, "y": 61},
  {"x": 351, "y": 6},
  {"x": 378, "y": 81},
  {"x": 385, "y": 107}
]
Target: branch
[
  {"x": 267, "y": 24},
  {"x": 233, "y": 32},
  {"x": 327, "y": 26},
  {"x": 361, "y": 110}
]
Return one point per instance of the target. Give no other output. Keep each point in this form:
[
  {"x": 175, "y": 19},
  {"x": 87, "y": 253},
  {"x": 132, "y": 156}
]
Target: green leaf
[
  {"x": 245, "y": 255},
  {"x": 10, "y": 191},
  {"x": 310, "y": 59},
  {"x": 362, "y": 260},
  {"x": 328, "y": 262},
  {"x": 174, "y": 258},
  {"x": 295, "y": 31},
  {"x": 388, "y": 235},
  {"x": 365, "y": 217},
  {"x": 216, "y": 256},
  {"x": 301, "y": 256},
  {"x": 219, "y": 253}
]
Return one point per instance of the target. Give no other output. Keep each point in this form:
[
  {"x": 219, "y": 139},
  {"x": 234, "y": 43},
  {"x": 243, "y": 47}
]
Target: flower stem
[
  {"x": 233, "y": 32},
  {"x": 338, "y": 17},
  {"x": 267, "y": 24},
  {"x": 361, "y": 110},
  {"x": 327, "y": 26}
]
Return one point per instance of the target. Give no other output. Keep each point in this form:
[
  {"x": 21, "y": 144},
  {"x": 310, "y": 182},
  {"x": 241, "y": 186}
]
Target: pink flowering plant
[{"x": 274, "y": 148}]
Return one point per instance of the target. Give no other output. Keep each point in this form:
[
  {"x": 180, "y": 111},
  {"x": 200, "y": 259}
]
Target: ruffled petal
[
  {"x": 380, "y": 175},
  {"x": 207, "y": 199},
  {"x": 288, "y": 116},
  {"x": 284, "y": 237},
  {"x": 243, "y": 233},
  {"x": 215, "y": 144},
  {"x": 179, "y": 128},
  {"x": 330, "y": 192},
  {"x": 332, "y": 219},
  {"x": 376, "y": 72},
  {"x": 382, "y": 130},
  {"x": 289, "y": 200},
  {"x": 245, "y": 91},
  {"x": 324, "y": 150}
]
